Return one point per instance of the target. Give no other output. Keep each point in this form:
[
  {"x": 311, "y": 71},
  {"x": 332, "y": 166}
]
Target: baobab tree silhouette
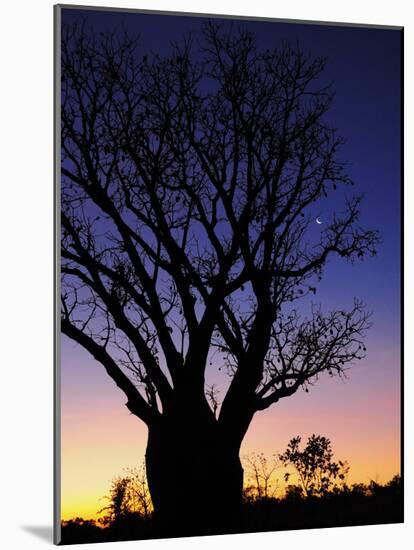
[{"x": 188, "y": 184}]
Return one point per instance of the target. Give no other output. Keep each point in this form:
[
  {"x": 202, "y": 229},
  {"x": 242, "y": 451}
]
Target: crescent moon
[{"x": 318, "y": 221}]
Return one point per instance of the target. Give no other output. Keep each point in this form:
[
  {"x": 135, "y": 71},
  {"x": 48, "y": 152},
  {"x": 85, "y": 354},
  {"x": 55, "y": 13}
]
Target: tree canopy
[{"x": 189, "y": 184}]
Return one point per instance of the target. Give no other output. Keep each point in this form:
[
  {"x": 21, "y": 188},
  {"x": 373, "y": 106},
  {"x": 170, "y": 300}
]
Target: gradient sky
[{"x": 360, "y": 415}]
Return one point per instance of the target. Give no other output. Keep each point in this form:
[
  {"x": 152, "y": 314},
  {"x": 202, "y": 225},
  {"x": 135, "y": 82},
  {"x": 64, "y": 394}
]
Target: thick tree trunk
[{"x": 195, "y": 477}]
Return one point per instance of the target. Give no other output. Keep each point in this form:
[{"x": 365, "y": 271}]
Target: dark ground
[{"x": 383, "y": 504}]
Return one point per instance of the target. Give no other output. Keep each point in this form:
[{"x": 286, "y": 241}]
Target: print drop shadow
[{"x": 43, "y": 532}]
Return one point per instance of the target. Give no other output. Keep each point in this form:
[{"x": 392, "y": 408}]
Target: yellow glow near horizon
[
  {"x": 97, "y": 446},
  {"x": 100, "y": 438}
]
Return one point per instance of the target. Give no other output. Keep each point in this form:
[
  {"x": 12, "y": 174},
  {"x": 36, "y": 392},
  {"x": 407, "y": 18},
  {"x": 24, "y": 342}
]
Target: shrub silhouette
[
  {"x": 260, "y": 476},
  {"x": 315, "y": 468},
  {"x": 129, "y": 497},
  {"x": 119, "y": 504}
]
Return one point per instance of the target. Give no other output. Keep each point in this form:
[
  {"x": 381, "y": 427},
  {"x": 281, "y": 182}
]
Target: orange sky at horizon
[{"x": 100, "y": 438}]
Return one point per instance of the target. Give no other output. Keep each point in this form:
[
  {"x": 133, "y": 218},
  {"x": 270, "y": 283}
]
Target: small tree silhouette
[
  {"x": 261, "y": 482},
  {"x": 119, "y": 505},
  {"x": 139, "y": 497},
  {"x": 314, "y": 466},
  {"x": 129, "y": 495}
]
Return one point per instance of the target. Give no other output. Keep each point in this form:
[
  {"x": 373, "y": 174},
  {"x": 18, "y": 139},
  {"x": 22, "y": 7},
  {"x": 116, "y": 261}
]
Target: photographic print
[{"x": 229, "y": 229}]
